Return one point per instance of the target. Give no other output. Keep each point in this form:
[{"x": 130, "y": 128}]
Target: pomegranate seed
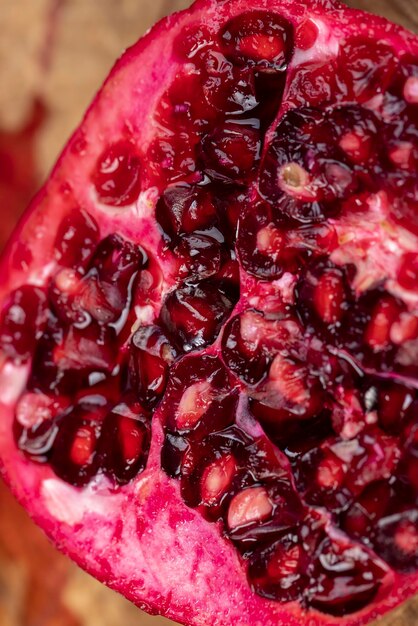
[
  {"x": 404, "y": 328},
  {"x": 258, "y": 243},
  {"x": 116, "y": 259},
  {"x": 35, "y": 408},
  {"x": 195, "y": 313},
  {"x": 376, "y": 458},
  {"x": 260, "y": 46},
  {"x": 250, "y": 505},
  {"x": 125, "y": 441},
  {"x": 369, "y": 507},
  {"x": 258, "y": 37},
  {"x": 401, "y": 154},
  {"x": 377, "y": 333},
  {"x": 35, "y": 426},
  {"x": 74, "y": 455},
  {"x": 151, "y": 356},
  {"x": 227, "y": 89},
  {"x": 351, "y": 143},
  {"x": 65, "y": 296},
  {"x": 340, "y": 180},
  {"x": 329, "y": 297},
  {"x": 269, "y": 240},
  {"x": 290, "y": 379},
  {"x": 348, "y": 415},
  {"x": 408, "y": 272},
  {"x": 192, "y": 41},
  {"x": 67, "y": 281},
  {"x": 410, "y": 90},
  {"x": 200, "y": 255},
  {"x": 194, "y": 403},
  {"x": 217, "y": 478},
  {"x": 396, "y": 540},
  {"x": 315, "y": 83},
  {"x": 151, "y": 375},
  {"x": 241, "y": 349},
  {"x": 93, "y": 348},
  {"x": 117, "y": 178},
  {"x": 406, "y": 537},
  {"x": 284, "y": 563},
  {"x": 279, "y": 571},
  {"x": 347, "y": 578},
  {"x": 330, "y": 473},
  {"x": 368, "y": 67},
  {"x": 393, "y": 404},
  {"x": 172, "y": 157},
  {"x": 76, "y": 240},
  {"x": 83, "y": 445},
  {"x": 296, "y": 178},
  {"x": 231, "y": 152},
  {"x": 183, "y": 210},
  {"x": 306, "y": 34},
  {"x": 22, "y": 322},
  {"x": 131, "y": 439}
]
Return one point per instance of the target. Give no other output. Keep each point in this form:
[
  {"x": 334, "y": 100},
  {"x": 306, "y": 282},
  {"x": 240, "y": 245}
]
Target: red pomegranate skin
[{"x": 137, "y": 534}]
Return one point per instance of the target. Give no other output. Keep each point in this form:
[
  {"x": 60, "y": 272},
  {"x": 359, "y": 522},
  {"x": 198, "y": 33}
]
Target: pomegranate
[{"x": 209, "y": 322}]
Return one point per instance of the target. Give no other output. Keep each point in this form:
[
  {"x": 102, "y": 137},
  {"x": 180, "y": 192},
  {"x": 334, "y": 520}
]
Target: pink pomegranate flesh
[{"x": 209, "y": 327}]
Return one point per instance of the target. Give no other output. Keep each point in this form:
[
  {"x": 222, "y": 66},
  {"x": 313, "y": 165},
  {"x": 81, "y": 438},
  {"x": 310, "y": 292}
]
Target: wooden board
[{"x": 58, "y": 52}]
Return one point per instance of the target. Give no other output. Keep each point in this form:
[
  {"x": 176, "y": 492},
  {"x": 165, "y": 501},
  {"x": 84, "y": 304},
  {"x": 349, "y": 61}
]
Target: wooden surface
[{"x": 53, "y": 56}]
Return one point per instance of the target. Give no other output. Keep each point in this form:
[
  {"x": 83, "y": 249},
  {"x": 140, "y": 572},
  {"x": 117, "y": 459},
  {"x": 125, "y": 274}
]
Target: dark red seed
[
  {"x": 393, "y": 403},
  {"x": 258, "y": 38},
  {"x": 65, "y": 294},
  {"x": 249, "y": 506},
  {"x": 22, "y": 322},
  {"x": 408, "y": 272},
  {"x": 196, "y": 384},
  {"x": 329, "y": 297},
  {"x": 116, "y": 259},
  {"x": 280, "y": 571},
  {"x": 316, "y": 84},
  {"x": 378, "y": 330},
  {"x": 200, "y": 256},
  {"x": 74, "y": 455},
  {"x": 76, "y": 240},
  {"x": 171, "y": 156},
  {"x": 396, "y": 540},
  {"x": 151, "y": 356},
  {"x": 92, "y": 349},
  {"x": 125, "y": 441},
  {"x": 217, "y": 478},
  {"x": 117, "y": 177},
  {"x": 242, "y": 350},
  {"x": 34, "y": 427},
  {"x": 194, "y": 314},
  {"x": 184, "y": 210},
  {"x": 231, "y": 152},
  {"x": 368, "y": 67},
  {"x": 209, "y": 469},
  {"x": 369, "y": 507},
  {"x": 192, "y": 42},
  {"x": 346, "y": 578},
  {"x": 259, "y": 242},
  {"x": 228, "y": 90}
]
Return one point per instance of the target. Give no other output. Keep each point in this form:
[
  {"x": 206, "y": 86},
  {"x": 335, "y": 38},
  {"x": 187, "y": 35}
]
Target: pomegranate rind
[{"x": 142, "y": 540}]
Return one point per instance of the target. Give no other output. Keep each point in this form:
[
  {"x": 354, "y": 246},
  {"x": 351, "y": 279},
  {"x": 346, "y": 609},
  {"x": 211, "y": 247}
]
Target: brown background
[{"x": 53, "y": 56}]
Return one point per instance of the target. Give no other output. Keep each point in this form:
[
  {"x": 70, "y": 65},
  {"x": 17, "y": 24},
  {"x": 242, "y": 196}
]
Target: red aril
[{"x": 209, "y": 353}]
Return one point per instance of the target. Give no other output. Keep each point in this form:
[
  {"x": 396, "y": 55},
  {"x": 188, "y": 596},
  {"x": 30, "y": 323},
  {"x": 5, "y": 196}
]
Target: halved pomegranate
[{"x": 209, "y": 348}]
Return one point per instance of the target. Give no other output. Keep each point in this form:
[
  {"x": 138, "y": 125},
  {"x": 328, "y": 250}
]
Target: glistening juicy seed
[{"x": 245, "y": 280}]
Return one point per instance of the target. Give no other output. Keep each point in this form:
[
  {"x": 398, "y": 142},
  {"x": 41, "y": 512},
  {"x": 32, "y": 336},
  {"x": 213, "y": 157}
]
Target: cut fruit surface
[{"x": 209, "y": 363}]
